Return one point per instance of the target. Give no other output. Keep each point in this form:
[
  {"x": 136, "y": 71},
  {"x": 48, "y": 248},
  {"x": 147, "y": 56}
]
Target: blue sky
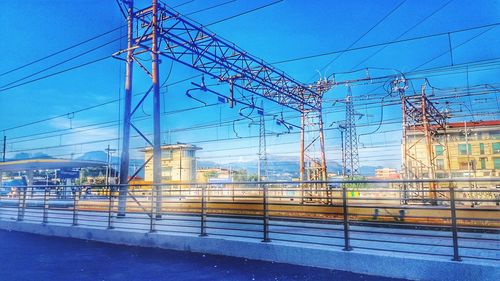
[{"x": 286, "y": 30}]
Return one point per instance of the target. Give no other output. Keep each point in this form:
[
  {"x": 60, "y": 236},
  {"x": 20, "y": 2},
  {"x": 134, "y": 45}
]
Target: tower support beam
[
  {"x": 125, "y": 158},
  {"x": 163, "y": 32}
]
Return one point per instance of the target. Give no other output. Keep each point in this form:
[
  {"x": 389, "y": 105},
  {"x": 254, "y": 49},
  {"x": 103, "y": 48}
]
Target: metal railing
[{"x": 462, "y": 222}]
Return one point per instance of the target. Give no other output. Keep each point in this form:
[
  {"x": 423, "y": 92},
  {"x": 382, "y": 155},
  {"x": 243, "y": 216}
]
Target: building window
[
  {"x": 463, "y": 165},
  {"x": 496, "y": 147},
  {"x": 166, "y": 173},
  {"x": 439, "y": 164},
  {"x": 439, "y": 150},
  {"x": 483, "y": 163},
  {"x": 464, "y": 149},
  {"x": 497, "y": 163},
  {"x": 166, "y": 154},
  {"x": 481, "y": 148},
  {"x": 188, "y": 153},
  {"x": 495, "y": 135}
]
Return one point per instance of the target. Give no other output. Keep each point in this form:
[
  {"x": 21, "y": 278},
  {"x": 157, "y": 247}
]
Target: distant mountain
[
  {"x": 285, "y": 167},
  {"x": 207, "y": 164},
  {"x": 369, "y": 170},
  {"x": 102, "y": 156},
  {"x": 38, "y": 155},
  {"x": 279, "y": 167}
]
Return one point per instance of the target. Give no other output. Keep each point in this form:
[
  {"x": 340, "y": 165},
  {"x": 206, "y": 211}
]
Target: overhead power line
[
  {"x": 404, "y": 33},
  {"x": 427, "y": 71},
  {"x": 454, "y": 47},
  {"x": 95, "y": 61},
  {"x": 55, "y": 73},
  {"x": 193, "y": 142},
  {"x": 384, "y": 43},
  {"x": 62, "y": 51},
  {"x": 62, "y": 62},
  {"x": 366, "y": 33},
  {"x": 245, "y": 12}
]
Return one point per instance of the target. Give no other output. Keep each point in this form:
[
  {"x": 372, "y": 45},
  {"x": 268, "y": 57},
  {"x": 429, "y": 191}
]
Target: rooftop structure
[
  {"x": 178, "y": 163},
  {"x": 46, "y": 164}
]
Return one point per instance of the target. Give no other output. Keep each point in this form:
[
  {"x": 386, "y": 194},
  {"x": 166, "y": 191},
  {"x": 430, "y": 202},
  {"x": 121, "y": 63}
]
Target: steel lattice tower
[
  {"x": 350, "y": 138},
  {"x": 157, "y": 31},
  {"x": 262, "y": 163},
  {"x": 422, "y": 123}
]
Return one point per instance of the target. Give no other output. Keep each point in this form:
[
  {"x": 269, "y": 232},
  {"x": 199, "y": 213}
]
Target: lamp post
[{"x": 109, "y": 151}]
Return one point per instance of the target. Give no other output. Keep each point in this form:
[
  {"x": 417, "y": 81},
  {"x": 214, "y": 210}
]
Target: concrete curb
[{"x": 358, "y": 261}]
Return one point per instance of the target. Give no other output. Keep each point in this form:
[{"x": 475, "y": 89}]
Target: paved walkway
[
  {"x": 477, "y": 247},
  {"x": 35, "y": 257}
]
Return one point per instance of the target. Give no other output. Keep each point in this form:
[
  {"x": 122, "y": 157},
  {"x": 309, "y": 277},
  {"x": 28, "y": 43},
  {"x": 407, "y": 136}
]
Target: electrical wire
[
  {"x": 405, "y": 32},
  {"x": 62, "y": 50},
  {"x": 56, "y": 73},
  {"x": 383, "y": 44},
  {"x": 392, "y": 102},
  {"x": 453, "y": 48},
  {"x": 366, "y": 33},
  {"x": 79, "y": 55}
]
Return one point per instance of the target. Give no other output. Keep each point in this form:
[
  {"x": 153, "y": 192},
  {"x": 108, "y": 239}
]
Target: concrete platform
[{"x": 381, "y": 263}]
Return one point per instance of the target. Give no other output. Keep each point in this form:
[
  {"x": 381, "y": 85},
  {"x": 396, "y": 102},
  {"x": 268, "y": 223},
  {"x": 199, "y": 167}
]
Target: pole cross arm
[{"x": 188, "y": 43}]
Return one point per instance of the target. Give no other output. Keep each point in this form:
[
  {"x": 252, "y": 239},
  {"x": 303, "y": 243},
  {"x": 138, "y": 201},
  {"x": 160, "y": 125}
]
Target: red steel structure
[{"x": 422, "y": 123}]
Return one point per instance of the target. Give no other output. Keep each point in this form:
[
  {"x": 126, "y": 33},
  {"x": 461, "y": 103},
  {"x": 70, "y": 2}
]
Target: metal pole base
[
  {"x": 267, "y": 240},
  {"x": 120, "y": 216},
  {"x": 203, "y": 235},
  {"x": 347, "y": 249},
  {"x": 457, "y": 259},
  {"x": 158, "y": 217}
]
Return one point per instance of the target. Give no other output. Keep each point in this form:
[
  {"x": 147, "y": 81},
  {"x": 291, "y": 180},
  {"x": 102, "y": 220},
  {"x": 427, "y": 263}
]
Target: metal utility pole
[
  {"x": 108, "y": 167},
  {"x": 192, "y": 45},
  {"x": 312, "y": 140},
  {"x": 4, "y": 147},
  {"x": 125, "y": 159},
  {"x": 262, "y": 163},
  {"x": 155, "y": 74},
  {"x": 351, "y": 137},
  {"x": 466, "y": 133},
  {"x": 135, "y": 48},
  {"x": 342, "y": 148},
  {"x": 400, "y": 86},
  {"x": 180, "y": 164},
  {"x": 422, "y": 123},
  {"x": 431, "y": 167},
  {"x": 470, "y": 165}
]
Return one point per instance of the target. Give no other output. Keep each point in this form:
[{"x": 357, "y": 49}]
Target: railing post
[
  {"x": 265, "y": 217},
  {"x": 203, "y": 218},
  {"x": 22, "y": 204},
  {"x": 345, "y": 211},
  {"x": 456, "y": 256},
  {"x": 159, "y": 200},
  {"x": 152, "y": 215},
  {"x": 46, "y": 205},
  {"x": 110, "y": 209},
  {"x": 76, "y": 198}
]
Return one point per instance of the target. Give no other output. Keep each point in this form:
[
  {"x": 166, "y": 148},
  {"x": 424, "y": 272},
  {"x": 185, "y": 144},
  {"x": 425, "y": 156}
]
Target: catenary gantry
[{"x": 159, "y": 31}]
